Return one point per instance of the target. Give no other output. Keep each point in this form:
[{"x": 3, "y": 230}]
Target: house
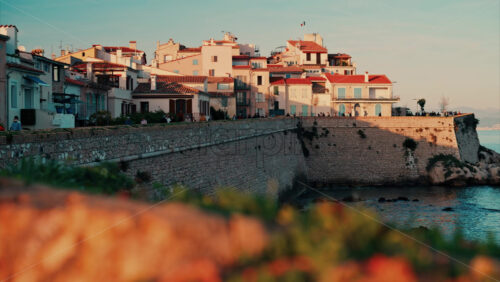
[
  {"x": 360, "y": 95},
  {"x": 292, "y": 96},
  {"x": 309, "y": 51},
  {"x": 121, "y": 80},
  {"x": 221, "y": 92},
  {"x": 182, "y": 101},
  {"x": 31, "y": 81},
  {"x": 3, "y": 79},
  {"x": 340, "y": 63}
]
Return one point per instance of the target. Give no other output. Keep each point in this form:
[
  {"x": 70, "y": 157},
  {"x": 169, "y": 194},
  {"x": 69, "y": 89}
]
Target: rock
[
  {"x": 415, "y": 200},
  {"x": 494, "y": 175},
  {"x": 436, "y": 174},
  {"x": 68, "y": 236},
  {"x": 405, "y": 199},
  {"x": 448, "y": 209},
  {"x": 381, "y": 200},
  {"x": 352, "y": 198}
]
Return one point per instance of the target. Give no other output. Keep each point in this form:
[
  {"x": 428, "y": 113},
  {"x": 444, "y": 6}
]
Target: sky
[{"x": 428, "y": 48}]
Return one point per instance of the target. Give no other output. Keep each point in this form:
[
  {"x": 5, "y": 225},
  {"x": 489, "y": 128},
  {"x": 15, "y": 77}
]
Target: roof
[
  {"x": 124, "y": 49},
  {"x": 340, "y": 56},
  {"x": 242, "y": 67},
  {"x": 308, "y": 46},
  {"x": 316, "y": 78},
  {"x": 283, "y": 69},
  {"x": 165, "y": 88},
  {"x": 8, "y": 25},
  {"x": 100, "y": 66},
  {"x": 241, "y": 57},
  {"x": 312, "y": 67},
  {"x": 187, "y": 57},
  {"x": 74, "y": 81},
  {"x": 292, "y": 81},
  {"x": 181, "y": 78},
  {"x": 220, "y": 79},
  {"x": 190, "y": 50},
  {"x": 374, "y": 78},
  {"x": 261, "y": 69},
  {"x": 258, "y": 58},
  {"x": 23, "y": 67}
]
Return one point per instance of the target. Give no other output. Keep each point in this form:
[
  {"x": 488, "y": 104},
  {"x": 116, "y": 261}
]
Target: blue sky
[{"x": 430, "y": 48}]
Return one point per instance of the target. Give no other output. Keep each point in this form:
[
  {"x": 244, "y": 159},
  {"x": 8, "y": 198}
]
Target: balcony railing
[
  {"x": 394, "y": 98},
  {"x": 241, "y": 86},
  {"x": 242, "y": 103}
]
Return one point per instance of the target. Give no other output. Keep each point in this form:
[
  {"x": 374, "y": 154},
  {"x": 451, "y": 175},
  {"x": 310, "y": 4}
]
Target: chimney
[
  {"x": 63, "y": 52},
  {"x": 90, "y": 70},
  {"x": 366, "y": 77},
  {"x": 153, "y": 82},
  {"x": 133, "y": 44}
]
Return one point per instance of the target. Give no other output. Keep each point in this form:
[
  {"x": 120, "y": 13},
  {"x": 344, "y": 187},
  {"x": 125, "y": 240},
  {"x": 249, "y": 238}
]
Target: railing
[
  {"x": 395, "y": 98},
  {"x": 241, "y": 86},
  {"x": 242, "y": 102}
]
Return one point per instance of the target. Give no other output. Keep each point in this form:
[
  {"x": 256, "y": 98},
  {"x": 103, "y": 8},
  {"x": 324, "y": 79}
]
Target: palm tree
[{"x": 421, "y": 103}]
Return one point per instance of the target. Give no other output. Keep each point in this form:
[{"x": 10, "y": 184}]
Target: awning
[{"x": 36, "y": 80}]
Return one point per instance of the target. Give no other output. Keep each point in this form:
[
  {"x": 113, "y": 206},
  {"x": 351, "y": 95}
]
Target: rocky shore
[{"x": 447, "y": 170}]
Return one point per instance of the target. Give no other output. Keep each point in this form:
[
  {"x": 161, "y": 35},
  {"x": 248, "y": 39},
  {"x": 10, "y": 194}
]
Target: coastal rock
[{"x": 486, "y": 171}]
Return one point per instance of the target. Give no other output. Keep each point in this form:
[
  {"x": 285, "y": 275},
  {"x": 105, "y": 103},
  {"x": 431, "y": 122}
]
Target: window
[
  {"x": 38, "y": 65},
  {"x": 222, "y": 86},
  {"x": 223, "y": 101},
  {"x": 13, "y": 95},
  {"x": 55, "y": 73},
  {"x": 260, "y": 98},
  {"x": 341, "y": 93},
  {"x": 46, "y": 67},
  {"x": 195, "y": 62},
  {"x": 287, "y": 75},
  {"x": 378, "y": 110},
  {"x": 214, "y": 59},
  {"x": 144, "y": 107},
  {"x": 128, "y": 82},
  {"x": 241, "y": 97},
  {"x": 176, "y": 71},
  {"x": 259, "y": 80},
  {"x": 292, "y": 109},
  {"x": 195, "y": 72},
  {"x": 211, "y": 72},
  {"x": 357, "y": 93},
  {"x": 260, "y": 112},
  {"x": 83, "y": 54},
  {"x": 167, "y": 58},
  {"x": 256, "y": 65},
  {"x": 308, "y": 56},
  {"x": 276, "y": 90},
  {"x": 304, "y": 110}
]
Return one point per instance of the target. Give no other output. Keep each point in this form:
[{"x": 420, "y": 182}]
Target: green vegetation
[
  {"x": 361, "y": 134},
  {"x": 449, "y": 161},
  {"x": 410, "y": 144},
  {"x": 421, "y": 103},
  {"x": 105, "y": 178}
]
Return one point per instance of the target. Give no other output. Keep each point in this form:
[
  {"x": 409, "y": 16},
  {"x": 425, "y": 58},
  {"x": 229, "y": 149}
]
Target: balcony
[
  {"x": 241, "y": 86},
  {"x": 374, "y": 99},
  {"x": 242, "y": 103}
]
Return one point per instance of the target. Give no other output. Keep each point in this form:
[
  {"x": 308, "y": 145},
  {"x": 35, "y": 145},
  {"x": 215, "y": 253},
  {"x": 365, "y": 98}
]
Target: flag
[{"x": 303, "y": 23}]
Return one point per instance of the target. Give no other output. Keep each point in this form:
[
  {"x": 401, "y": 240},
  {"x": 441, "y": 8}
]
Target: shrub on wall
[
  {"x": 410, "y": 144},
  {"x": 100, "y": 118}
]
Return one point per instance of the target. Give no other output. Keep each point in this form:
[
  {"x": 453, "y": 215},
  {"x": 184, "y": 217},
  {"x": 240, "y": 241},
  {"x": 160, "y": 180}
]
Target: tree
[
  {"x": 421, "y": 103},
  {"x": 443, "y": 104}
]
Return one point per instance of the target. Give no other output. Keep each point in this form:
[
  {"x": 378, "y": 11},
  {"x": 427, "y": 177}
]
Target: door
[
  {"x": 171, "y": 106},
  {"x": 276, "y": 105},
  {"x": 341, "y": 110},
  {"x": 378, "y": 110},
  {"x": 318, "y": 58},
  {"x": 28, "y": 98},
  {"x": 189, "y": 106}
]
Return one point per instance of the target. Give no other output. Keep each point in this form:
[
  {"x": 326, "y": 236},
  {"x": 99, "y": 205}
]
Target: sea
[{"x": 474, "y": 210}]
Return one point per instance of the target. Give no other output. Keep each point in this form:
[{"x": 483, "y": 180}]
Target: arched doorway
[
  {"x": 341, "y": 110},
  {"x": 357, "y": 109}
]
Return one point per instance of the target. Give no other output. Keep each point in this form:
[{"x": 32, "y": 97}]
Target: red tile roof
[
  {"x": 274, "y": 66},
  {"x": 316, "y": 78},
  {"x": 190, "y": 50},
  {"x": 165, "y": 88},
  {"x": 308, "y": 46},
  {"x": 124, "y": 49},
  {"x": 74, "y": 81},
  {"x": 261, "y": 69},
  {"x": 292, "y": 81},
  {"x": 374, "y": 78},
  {"x": 9, "y": 25},
  {"x": 181, "y": 78},
  {"x": 258, "y": 58},
  {"x": 241, "y": 57},
  {"x": 23, "y": 67},
  {"x": 100, "y": 66},
  {"x": 220, "y": 79},
  {"x": 277, "y": 81},
  {"x": 340, "y": 56},
  {"x": 221, "y": 94},
  {"x": 282, "y": 69},
  {"x": 242, "y": 67}
]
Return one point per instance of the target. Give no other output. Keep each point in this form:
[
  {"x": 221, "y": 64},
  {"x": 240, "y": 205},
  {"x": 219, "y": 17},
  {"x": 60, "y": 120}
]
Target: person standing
[
  {"x": 144, "y": 121},
  {"x": 16, "y": 124}
]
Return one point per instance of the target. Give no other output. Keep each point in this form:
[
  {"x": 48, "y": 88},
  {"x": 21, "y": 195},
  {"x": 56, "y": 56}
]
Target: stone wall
[
  {"x": 369, "y": 150},
  {"x": 259, "y": 155},
  {"x": 254, "y": 155}
]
